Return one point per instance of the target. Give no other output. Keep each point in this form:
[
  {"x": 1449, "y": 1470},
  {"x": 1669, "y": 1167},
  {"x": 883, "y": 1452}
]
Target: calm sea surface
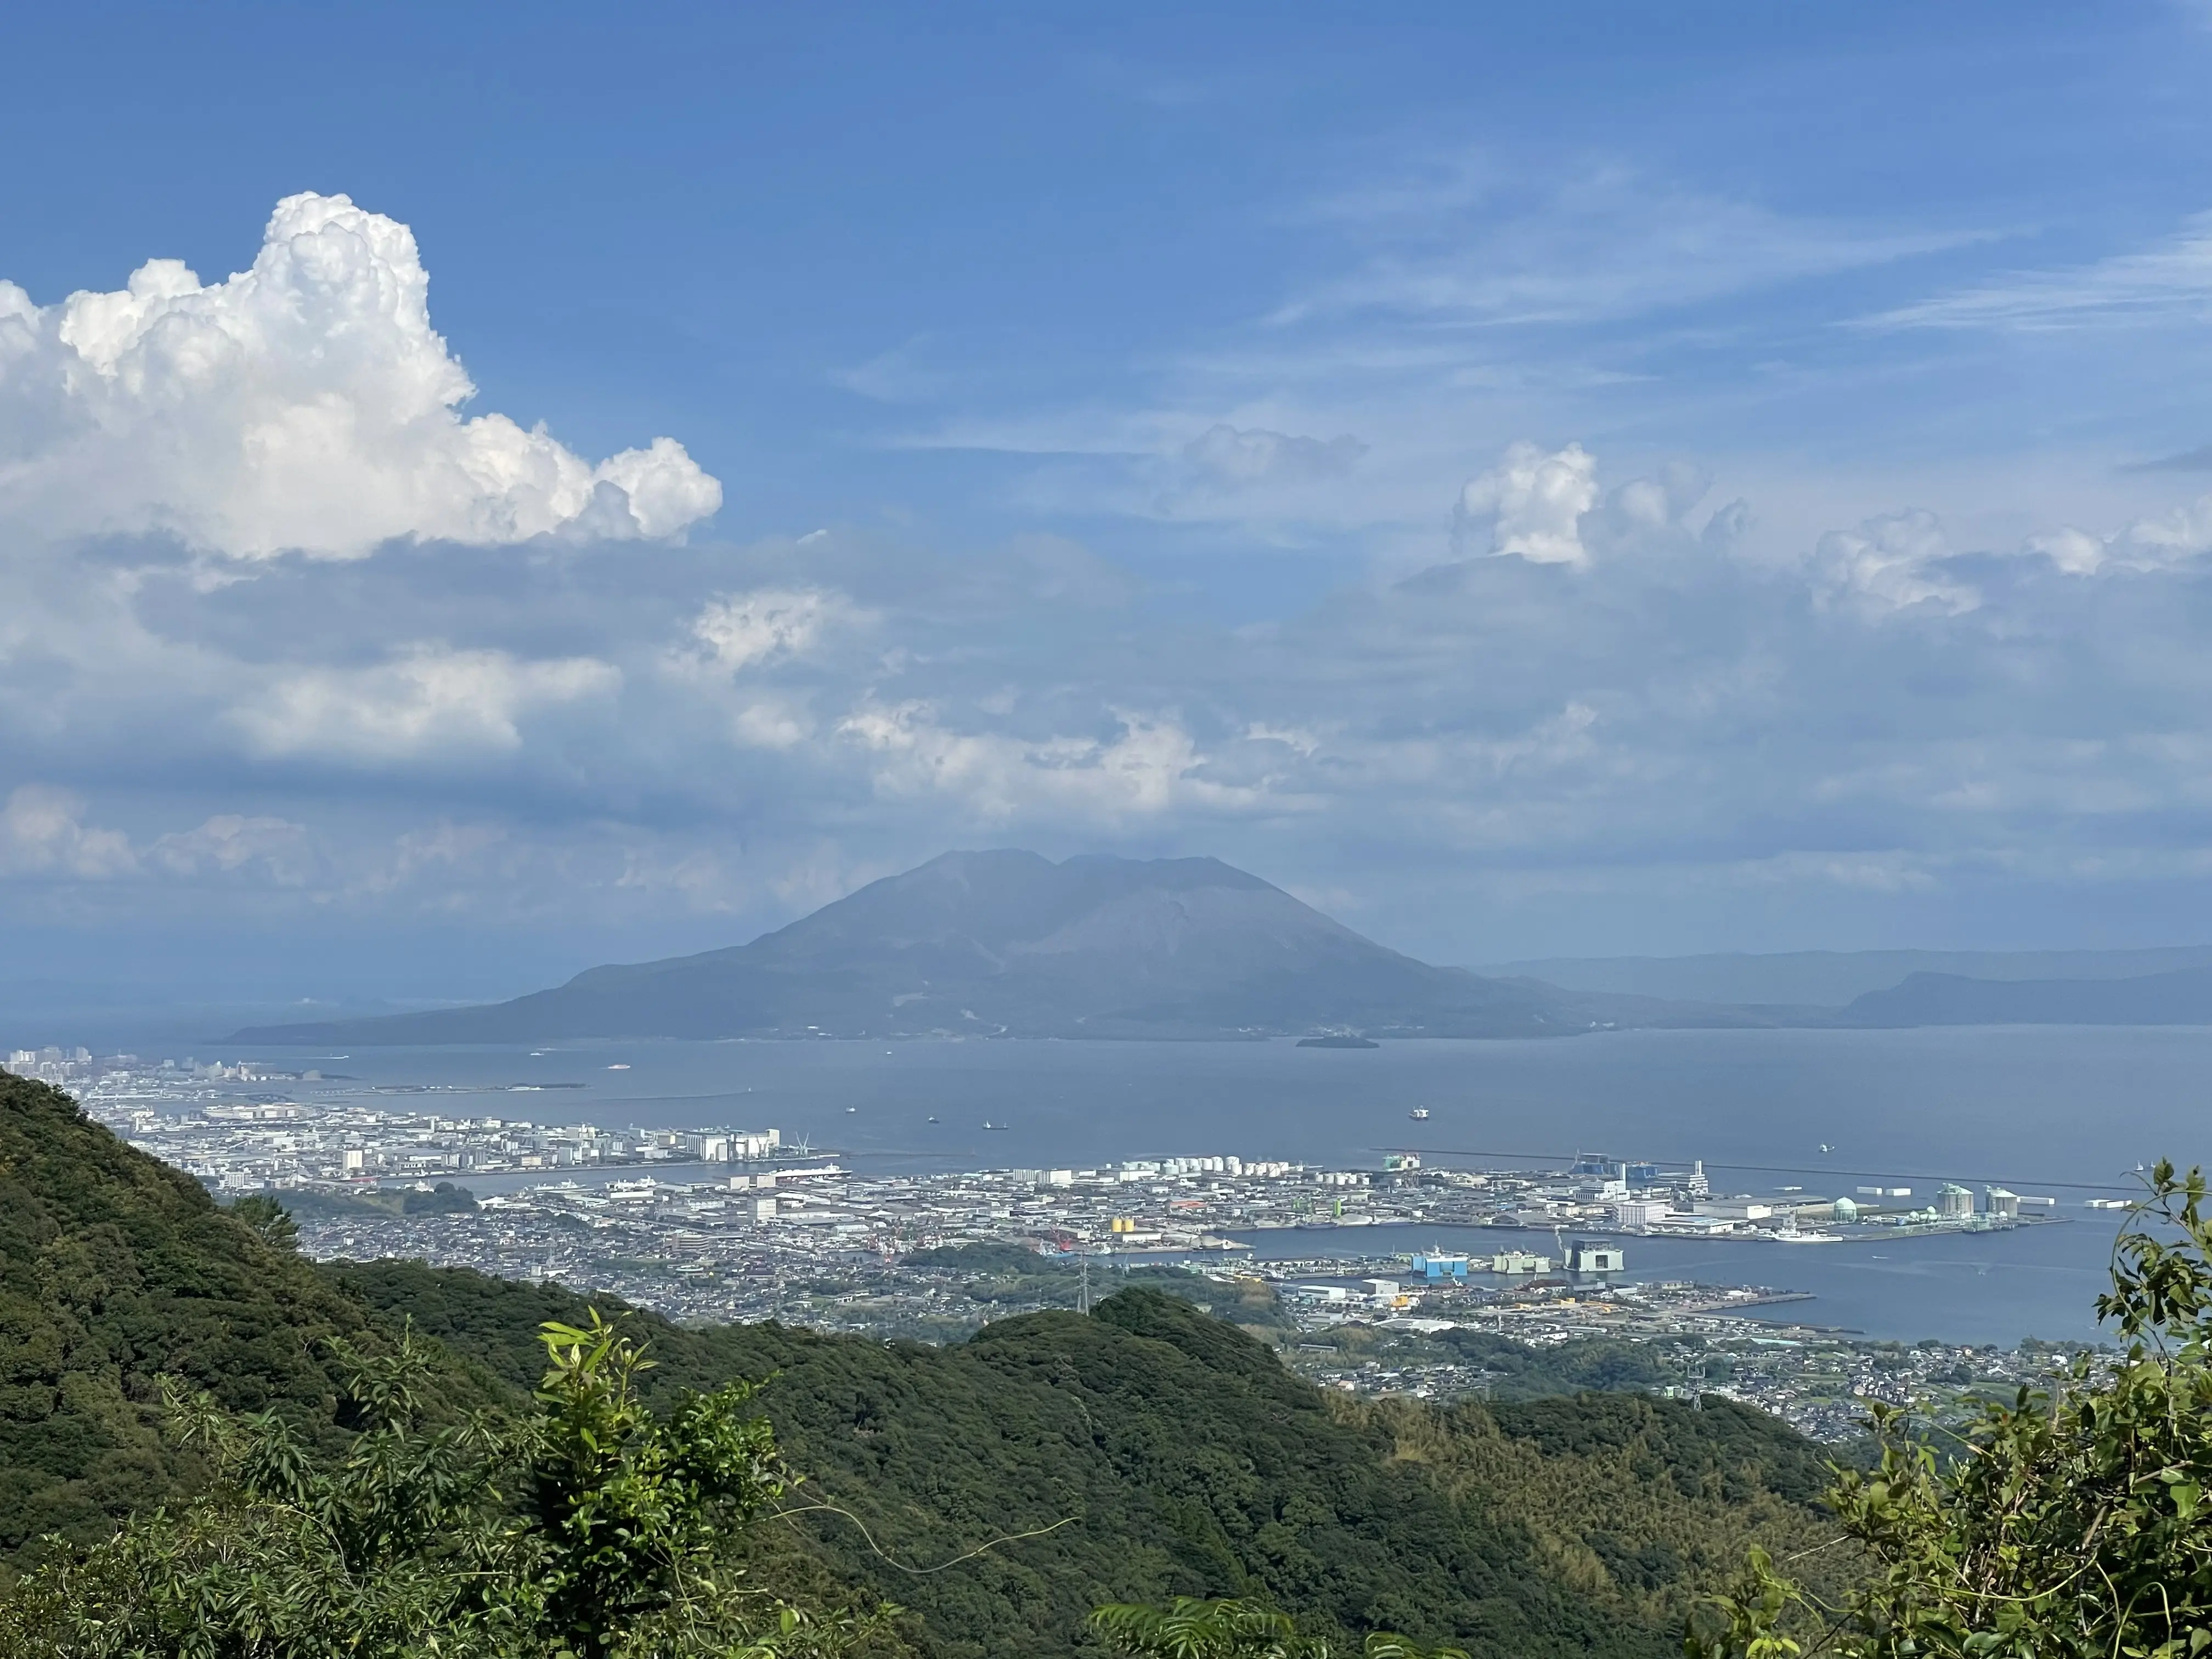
[{"x": 2060, "y": 1110}]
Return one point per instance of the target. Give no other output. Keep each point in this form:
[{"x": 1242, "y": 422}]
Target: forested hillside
[
  {"x": 1141, "y": 1452},
  {"x": 116, "y": 1269},
  {"x": 1186, "y": 1459}
]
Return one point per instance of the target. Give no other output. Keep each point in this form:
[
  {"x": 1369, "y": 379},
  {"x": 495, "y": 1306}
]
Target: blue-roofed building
[{"x": 1436, "y": 1267}]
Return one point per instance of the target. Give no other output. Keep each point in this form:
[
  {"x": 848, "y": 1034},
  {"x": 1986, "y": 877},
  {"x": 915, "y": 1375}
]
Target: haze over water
[{"x": 2030, "y": 1107}]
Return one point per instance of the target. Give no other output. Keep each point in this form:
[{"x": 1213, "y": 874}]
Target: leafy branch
[
  {"x": 593, "y": 1528},
  {"x": 2067, "y": 1522}
]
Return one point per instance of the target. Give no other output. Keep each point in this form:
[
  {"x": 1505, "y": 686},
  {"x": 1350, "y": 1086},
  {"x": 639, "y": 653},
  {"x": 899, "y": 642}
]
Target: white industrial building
[
  {"x": 1519, "y": 1261},
  {"x": 1734, "y": 1209},
  {"x": 733, "y": 1145}
]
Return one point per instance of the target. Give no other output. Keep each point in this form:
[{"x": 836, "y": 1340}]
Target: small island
[{"x": 1338, "y": 1041}]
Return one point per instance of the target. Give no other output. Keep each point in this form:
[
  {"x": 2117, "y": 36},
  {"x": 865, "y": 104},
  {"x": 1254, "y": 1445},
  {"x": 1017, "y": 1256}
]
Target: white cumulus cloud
[
  {"x": 1532, "y": 503},
  {"x": 303, "y": 405},
  {"x": 1889, "y": 563},
  {"x": 43, "y": 832},
  {"x": 736, "y": 630},
  {"x": 1153, "y": 767},
  {"x": 432, "y": 700},
  {"x": 2146, "y": 545},
  {"x": 235, "y": 844}
]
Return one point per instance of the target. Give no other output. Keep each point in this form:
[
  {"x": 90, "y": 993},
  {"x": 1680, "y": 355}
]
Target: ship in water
[{"x": 1420, "y": 1115}]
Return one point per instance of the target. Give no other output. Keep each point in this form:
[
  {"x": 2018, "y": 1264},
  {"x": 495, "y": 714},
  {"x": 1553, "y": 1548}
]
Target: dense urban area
[{"x": 715, "y": 1224}]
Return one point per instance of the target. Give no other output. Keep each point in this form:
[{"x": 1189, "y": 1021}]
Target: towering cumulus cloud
[
  {"x": 1533, "y": 503},
  {"x": 305, "y": 404}
]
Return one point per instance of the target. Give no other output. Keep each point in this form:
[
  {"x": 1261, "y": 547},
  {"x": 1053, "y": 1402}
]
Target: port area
[
  {"x": 717, "y": 1224},
  {"x": 240, "y": 1126}
]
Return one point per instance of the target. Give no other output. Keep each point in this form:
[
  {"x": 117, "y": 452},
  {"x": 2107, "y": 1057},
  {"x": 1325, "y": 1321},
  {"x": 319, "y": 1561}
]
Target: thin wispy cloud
[
  {"x": 1445, "y": 303},
  {"x": 2188, "y": 460},
  {"x": 1611, "y": 241},
  {"x": 2163, "y": 284}
]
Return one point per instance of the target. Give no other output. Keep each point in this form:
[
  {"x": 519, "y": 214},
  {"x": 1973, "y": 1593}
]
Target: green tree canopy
[
  {"x": 594, "y": 1528},
  {"x": 1188, "y": 1628},
  {"x": 265, "y": 1213},
  {"x": 2070, "y": 1523}
]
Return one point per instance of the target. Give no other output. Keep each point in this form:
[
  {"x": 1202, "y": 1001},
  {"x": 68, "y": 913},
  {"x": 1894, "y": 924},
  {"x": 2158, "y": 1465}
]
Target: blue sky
[{"x": 1609, "y": 478}]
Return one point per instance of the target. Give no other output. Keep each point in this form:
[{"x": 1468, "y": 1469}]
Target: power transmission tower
[{"x": 1083, "y": 1290}]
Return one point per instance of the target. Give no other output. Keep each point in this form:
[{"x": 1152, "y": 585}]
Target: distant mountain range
[
  {"x": 1833, "y": 978},
  {"x": 1008, "y": 943},
  {"x": 2181, "y": 997}
]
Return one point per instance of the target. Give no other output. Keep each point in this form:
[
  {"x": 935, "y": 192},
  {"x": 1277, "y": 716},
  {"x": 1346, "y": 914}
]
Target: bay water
[{"x": 2066, "y": 1111}]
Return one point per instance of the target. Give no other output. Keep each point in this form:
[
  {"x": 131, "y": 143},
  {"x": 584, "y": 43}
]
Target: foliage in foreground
[
  {"x": 1188, "y": 1628},
  {"x": 1196, "y": 1465},
  {"x": 595, "y": 1527},
  {"x": 2070, "y": 1523}
]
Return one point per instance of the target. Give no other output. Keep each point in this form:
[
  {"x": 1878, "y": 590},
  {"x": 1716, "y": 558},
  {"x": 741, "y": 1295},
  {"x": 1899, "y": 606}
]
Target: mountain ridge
[
  {"x": 1005, "y": 943},
  {"x": 2182, "y": 997},
  {"x": 1831, "y": 979}
]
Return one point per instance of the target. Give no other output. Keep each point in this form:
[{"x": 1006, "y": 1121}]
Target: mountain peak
[{"x": 1003, "y": 942}]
